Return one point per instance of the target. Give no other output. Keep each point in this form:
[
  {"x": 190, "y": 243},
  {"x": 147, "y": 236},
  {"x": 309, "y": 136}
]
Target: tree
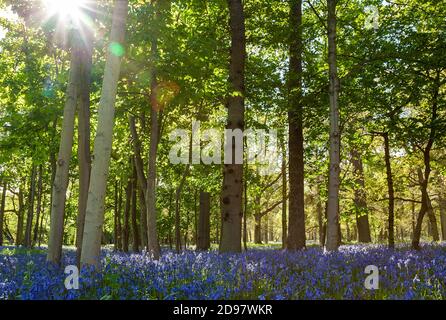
[
  {"x": 231, "y": 196},
  {"x": 296, "y": 217},
  {"x": 63, "y": 160},
  {"x": 334, "y": 168},
  {"x": 94, "y": 216}
]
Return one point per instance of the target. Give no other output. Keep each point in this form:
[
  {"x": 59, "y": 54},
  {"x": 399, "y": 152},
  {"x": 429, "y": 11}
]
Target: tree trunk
[
  {"x": 204, "y": 222},
  {"x": 60, "y": 183},
  {"x": 152, "y": 229},
  {"x": 391, "y": 221},
  {"x": 443, "y": 217},
  {"x": 39, "y": 204},
  {"x": 20, "y": 217},
  {"x": 362, "y": 216},
  {"x": 2, "y": 210},
  {"x": 142, "y": 180},
  {"x": 296, "y": 215},
  {"x": 126, "y": 226},
  {"x": 30, "y": 214},
  {"x": 257, "y": 229},
  {"x": 335, "y": 139},
  {"x": 84, "y": 156},
  {"x": 232, "y": 202},
  {"x": 320, "y": 217},
  {"x": 284, "y": 198},
  {"x": 94, "y": 218},
  {"x": 424, "y": 178},
  {"x": 135, "y": 231},
  {"x": 245, "y": 214}
]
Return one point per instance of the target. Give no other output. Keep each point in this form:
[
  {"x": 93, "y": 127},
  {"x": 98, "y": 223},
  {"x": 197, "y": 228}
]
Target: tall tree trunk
[
  {"x": 424, "y": 178},
  {"x": 39, "y": 203},
  {"x": 391, "y": 222},
  {"x": 41, "y": 219},
  {"x": 20, "y": 217},
  {"x": 284, "y": 198},
  {"x": 443, "y": 217},
  {"x": 135, "y": 231},
  {"x": 320, "y": 215},
  {"x": 84, "y": 156},
  {"x": 204, "y": 222},
  {"x": 232, "y": 193},
  {"x": 2, "y": 210},
  {"x": 245, "y": 214},
  {"x": 94, "y": 218},
  {"x": 335, "y": 135},
  {"x": 30, "y": 214},
  {"x": 362, "y": 216},
  {"x": 155, "y": 115},
  {"x": 142, "y": 180},
  {"x": 60, "y": 183},
  {"x": 126, "y": 226},
  {"x": 119, "y": 220},
  {"x": 115, "y": 216},
  {"x": 296, "y": 227}
]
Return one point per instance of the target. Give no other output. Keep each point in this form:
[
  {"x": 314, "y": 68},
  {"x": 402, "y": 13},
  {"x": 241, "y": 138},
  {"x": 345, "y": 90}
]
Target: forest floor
[{"x": 256, "y": 274}]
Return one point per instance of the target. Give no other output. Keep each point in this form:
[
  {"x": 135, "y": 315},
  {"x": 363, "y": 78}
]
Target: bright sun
[{"x": 65, "y": 9}]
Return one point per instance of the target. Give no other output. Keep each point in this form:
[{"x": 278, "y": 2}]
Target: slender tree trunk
[
  {"x": 204, "y": 222},
  {"x": 335, "y": 135},
  {"x": 245, "y": 214},
  {"x": 152, "y": 229},
  {"x": 135, "y": 231},
  {"x": 362, "y": 216},
  {"x": 20, "y": 217},
  {"x": 126, "y": 226},
  {"x": 2, "y": 210},
  {"x": 60, "y": 183},
  {"x": 118, "y": 219},
  {"x": 391, "y": 223},
  {"x": 443, "y": 217},
  {"x": 84, "y": 156},
  {"x": 115, "y": 216},
  {"x": 424, "y": 178},
  {"x": 296, "y": 227},
  {"x": 320, "y": 215},
  {"x": 42, "y": 218},
  {"x": 142, "y": 180},
  {"x": 30, "y": 214},
  {"x": 39, "y": 203},
  {"x": 94, "y": 217},
  {"x": 284, "y": 198},
  {"x": 232, "y": 202}
]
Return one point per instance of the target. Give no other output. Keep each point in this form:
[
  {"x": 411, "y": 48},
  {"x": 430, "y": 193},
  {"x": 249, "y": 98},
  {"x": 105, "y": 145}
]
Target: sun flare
[{"x": 65, "y": 9}]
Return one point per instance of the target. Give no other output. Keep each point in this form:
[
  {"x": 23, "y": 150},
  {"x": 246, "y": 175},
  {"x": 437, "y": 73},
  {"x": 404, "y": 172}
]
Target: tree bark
[
  {"x": 84, "y": 156},
  {"x": 30, "y": 213},
  {"x": 424, "y": 177},
  {"x": 126, "y": 226},
  {"x": 232, "y": 193},
  {"x": 335, "y": 139},
  {"x": 142, "y": 180},
  {"x": 135, "y": 230},
  {"x": 60, "y": 183},
  {"x": 204, "y": 222},
  {"x": 94, "y": 218},
  {"x": 2, "y": 210},
  {"x": 362, "y": 216},
  {"x": 391, "y": 222},
  {"x": 284, "y": 199},
  {"x": 39, "y": 203},
  {"x": 20, "y": 217},
  {"x": 296, "y": 227}
]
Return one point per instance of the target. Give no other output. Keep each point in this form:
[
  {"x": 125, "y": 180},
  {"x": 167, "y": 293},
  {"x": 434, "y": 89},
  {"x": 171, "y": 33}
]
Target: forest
[{"x": 222, "y": 149}]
